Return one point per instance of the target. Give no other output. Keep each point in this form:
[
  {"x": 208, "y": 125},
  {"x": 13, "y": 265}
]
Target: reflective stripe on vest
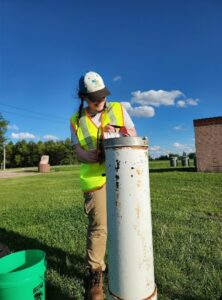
[
  {"x": 112, "y": 116},
  {"x": 87, "y": 132}
]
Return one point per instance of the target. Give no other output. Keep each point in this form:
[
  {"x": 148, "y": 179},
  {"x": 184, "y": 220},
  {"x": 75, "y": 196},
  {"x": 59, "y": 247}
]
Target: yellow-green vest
[{"x": 92, "y": 175}]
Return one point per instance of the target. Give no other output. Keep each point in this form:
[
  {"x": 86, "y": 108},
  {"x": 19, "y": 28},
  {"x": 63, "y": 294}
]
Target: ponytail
[{"x": 80, "y": 107}]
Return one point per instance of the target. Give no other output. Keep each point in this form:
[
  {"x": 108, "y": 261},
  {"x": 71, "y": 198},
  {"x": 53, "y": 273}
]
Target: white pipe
[{"x": 130, "y": 247}]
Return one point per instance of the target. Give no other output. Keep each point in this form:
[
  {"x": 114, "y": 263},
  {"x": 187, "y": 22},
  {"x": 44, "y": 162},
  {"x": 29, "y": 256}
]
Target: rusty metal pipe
[{"x": 130, "y": 246}]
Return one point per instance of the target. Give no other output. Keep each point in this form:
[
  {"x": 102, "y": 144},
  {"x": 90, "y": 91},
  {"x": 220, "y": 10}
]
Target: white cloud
[
  {"x": 50, "y": 137},
  {"x": 178, "y": 145},
  {"x": 192, "y": 102},
  {"x": 139, "y": 111},
  {"x": 12, "y": 127},
  {"x": 117, "y": 78},
  {"x": 156, "y": 98},
  {"x": 183, "y": 147},
  {"x": 156, "y": 151},
  {"x": 187, "y": 102},
  {"x": 22, "y": 135},
  {"x": 160, "y": 97},
  {"x": 179, "y": 128},
  {"x": 181, "y": 103},
  {"x": 155, "y": 148}
]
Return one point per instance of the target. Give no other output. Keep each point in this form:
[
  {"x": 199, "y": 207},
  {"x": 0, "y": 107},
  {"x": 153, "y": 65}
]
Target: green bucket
[{"x": 22, "y": 276}]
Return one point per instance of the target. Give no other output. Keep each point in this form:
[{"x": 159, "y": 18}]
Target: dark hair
[{"x": 81, "y": 97}]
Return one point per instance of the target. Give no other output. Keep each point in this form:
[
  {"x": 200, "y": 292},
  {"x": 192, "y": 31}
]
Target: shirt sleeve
[
  {"x": 74, "y": 138},
  {"x": 128, "y": 123}
]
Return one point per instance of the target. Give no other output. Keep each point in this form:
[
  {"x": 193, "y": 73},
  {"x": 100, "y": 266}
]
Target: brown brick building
[{"x": 208, "y": 140}]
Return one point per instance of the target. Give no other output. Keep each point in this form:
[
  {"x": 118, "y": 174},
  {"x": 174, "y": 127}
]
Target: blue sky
[{"x": 162, "y": 58}]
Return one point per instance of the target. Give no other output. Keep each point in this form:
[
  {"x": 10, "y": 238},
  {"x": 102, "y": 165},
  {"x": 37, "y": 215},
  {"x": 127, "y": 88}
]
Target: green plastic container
[{"x": 22, "y": 276}]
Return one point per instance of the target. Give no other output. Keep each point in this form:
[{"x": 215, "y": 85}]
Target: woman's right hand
[
  {"x": 86, "y": 156},
  {"x": 92, "y": 156}
]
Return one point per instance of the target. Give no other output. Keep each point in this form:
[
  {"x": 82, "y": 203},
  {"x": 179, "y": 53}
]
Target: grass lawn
[{"x": 46, "y": 212}]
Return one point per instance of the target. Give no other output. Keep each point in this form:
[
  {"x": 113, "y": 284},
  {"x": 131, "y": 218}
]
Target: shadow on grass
[
  {"x": 189, "y": 169},
  {"x": 30, "y": 171},
  {"x": 55, "y": 293},
  {"x": 56, "y": 260}
]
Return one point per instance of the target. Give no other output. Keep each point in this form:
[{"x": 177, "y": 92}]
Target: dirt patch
[{"x": 11, "y": 174}]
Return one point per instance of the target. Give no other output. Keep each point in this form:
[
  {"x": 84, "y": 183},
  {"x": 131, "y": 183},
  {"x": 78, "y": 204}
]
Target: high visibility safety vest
[{"x": 92, "y": 175}]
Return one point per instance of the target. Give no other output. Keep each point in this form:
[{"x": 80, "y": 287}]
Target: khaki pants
[{"x": 95, "y": 208}]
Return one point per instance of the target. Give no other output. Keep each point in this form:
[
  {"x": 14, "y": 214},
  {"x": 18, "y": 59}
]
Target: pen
[{"x": 116, "y": 126}]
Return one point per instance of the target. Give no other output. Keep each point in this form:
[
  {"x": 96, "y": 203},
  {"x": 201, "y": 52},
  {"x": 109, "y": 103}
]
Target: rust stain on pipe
[
  {"x": 138, "y": 183},
  {"x": 138, "y": 212},
  {"x": 151, "y": 297},
  {"x": 139, "y": 171},
  {"x": 131, "y": 147}
]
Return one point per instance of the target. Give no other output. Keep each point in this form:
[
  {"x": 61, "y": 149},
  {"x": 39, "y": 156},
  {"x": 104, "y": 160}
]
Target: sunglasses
[{"x": 96, "y": 100}]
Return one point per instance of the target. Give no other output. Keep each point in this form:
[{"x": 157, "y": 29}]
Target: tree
[
  {"x": 163, "y": 157},
  {"x": 3, "y": 129},
  {"x": 10, "y": 162},
  {"x": 192, "y": 155},
  {"x": 70, "y": 155},
  {"x": 173, "y": 155},
  {"x": 22, "y": 151},
  {"x": 34, "y": 156}
]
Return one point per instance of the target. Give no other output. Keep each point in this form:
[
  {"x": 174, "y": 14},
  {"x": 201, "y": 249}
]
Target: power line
[
  {"x": 33, "y": 112},
  {"x": 36, "y": 117}
]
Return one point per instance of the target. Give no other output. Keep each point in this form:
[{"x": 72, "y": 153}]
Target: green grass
[{"x": 46, "y": 212}]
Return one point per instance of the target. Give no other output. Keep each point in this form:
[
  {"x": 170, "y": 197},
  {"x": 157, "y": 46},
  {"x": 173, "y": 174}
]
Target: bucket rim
[{"x": 39, "y": 266}]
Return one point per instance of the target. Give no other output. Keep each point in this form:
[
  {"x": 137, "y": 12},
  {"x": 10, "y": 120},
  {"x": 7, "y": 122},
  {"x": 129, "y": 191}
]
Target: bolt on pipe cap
[{"x": 128, "y": 141}]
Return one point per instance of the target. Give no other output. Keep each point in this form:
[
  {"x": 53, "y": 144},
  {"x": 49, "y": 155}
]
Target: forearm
[
  {"x": 86, "y": 156},
  {"x": 122, "y": 129},
  {"x": 81, "y": 155}
]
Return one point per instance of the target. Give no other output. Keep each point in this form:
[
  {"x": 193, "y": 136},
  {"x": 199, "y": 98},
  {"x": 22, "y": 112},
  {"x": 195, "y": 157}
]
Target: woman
[{"x": 88, "y": 128}]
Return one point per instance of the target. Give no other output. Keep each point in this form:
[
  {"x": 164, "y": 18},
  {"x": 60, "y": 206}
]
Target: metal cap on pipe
[{"x": 128, "y": 141}]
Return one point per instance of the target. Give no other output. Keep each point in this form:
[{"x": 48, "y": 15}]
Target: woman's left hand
[{"x": 128, "y": 131}]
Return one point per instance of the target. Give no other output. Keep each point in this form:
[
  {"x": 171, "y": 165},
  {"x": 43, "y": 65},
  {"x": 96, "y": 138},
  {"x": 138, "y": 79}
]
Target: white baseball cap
[{"x": 92, "y": 85}]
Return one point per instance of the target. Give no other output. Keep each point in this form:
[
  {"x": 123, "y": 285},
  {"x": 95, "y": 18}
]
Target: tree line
[
  {"x": 28, "y": 154},
  {"x": 3, "y": 129}
]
